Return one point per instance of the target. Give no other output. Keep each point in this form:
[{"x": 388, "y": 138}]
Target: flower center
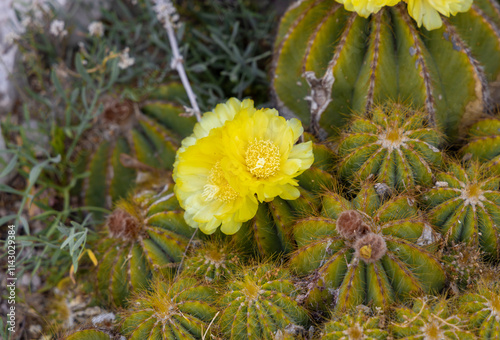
[
  {"x": 218, "y": 187},
  {"x": 262, "y": 158}
]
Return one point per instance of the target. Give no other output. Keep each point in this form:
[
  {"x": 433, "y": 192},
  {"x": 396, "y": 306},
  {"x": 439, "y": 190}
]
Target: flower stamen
[
  {"x": 218, "y": 187},
  {"x": 263, "y": 158}
]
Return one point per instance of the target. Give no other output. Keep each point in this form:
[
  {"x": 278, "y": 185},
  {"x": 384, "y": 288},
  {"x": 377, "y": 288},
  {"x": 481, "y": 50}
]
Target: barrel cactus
[
  {"x": 329, "y": 62},
  {"x": 395, "y": 145},
  {"x": 259, "y": 302},
  {"x": 146, "y": 235},
  {"x": 213, "y": 261},
  {"x": 366, "y": 251},
  {"x": 465, "y": 206},
  {"x": 483, "y": 143},
  {"x": 149, "y": 136},
  {"x": 430, "y": 318},
  {"x": 354, "y": 326},
  {"x": 178, "y": 310},
  {"x": 482, "y": 309}
]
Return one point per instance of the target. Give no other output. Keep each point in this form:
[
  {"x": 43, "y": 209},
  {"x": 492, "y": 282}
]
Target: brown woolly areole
[
  {"x": 370, "y": 248},
  {"x": 123, "y": 225},
  {"x": 117, "y": 110},
  {"x": 350, "y": 225}
]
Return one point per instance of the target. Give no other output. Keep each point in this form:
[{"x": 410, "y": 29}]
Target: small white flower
[
  {"x": 166, "y": 11},
  {"x": 96, "y": 29},
  {"x": 57, "y": 28},
  {"x": 125, "y": 60}
]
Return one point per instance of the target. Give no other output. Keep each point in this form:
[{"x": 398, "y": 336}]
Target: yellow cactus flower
[
  {"x": 427, "y": 12},
  {"x": 237, "y": 153},
  {"x": 263, "y": 154},
  {"x": 366, "y": 7},
  {"x": 204, "y": 188}
]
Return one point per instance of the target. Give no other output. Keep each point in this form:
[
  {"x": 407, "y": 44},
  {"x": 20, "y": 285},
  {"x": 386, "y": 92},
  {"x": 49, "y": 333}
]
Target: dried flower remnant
[
  {"x": 123, "y": 225},
  {"x": 350, "y": 225},
  {"x": 370, "y": 248}
]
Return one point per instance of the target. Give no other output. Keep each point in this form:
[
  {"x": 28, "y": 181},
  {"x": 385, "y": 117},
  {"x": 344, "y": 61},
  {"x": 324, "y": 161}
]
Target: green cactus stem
[
  {"x": 329, "y": 63},
  {"x": 482, "y": 309},
  {"x": 259, "y": 302},
  {"x": 395, "y": 145},
  {"x": 483, "y": 143},
  {"x": 430, "y": 318},
  {"x": 171, "y": 311},
  {"x": 465, "y": 206},
  {"x": 147, "y": 235},
  {"x": 392, "y": 259},
  {"x": 354, "y": 326}
]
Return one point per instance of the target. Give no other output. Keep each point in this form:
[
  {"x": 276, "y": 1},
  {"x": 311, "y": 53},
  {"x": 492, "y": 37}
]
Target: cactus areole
[{"x": 330, "y": 63}]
